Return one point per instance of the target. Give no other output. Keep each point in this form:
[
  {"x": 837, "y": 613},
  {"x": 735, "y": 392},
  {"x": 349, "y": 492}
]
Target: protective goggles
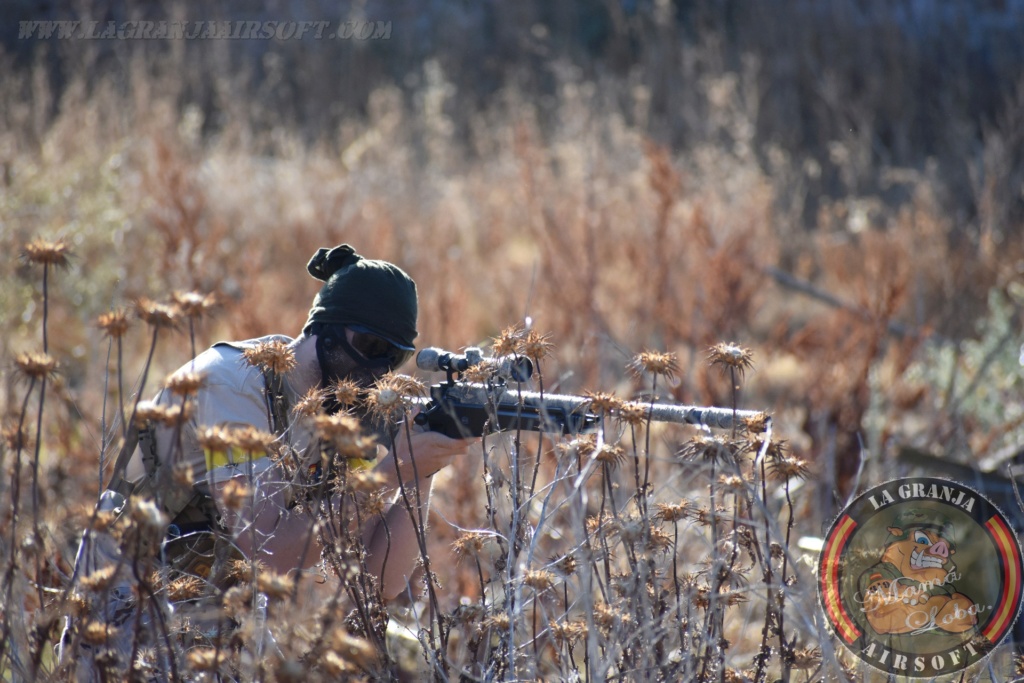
[{"x": 371, "y": 350}]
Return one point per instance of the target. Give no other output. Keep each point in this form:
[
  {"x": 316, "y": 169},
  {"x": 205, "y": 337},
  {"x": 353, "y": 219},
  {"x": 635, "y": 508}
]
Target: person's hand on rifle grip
[{"x": 431, "y": 452}]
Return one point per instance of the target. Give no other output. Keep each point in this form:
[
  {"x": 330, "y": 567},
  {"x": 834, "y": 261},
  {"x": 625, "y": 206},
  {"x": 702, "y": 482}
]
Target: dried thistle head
[
  {"x": 787, "y": 467},
  {"x": 470, "y": 544},
  {"x": 114, "y": 323},
  {"x": 655, "y": 363},
  {"x": 36, "y": 365},
  {"x": 253, "y": 440},
  {"x": 732, "y": 357},
  {"x": 566, "y": 565},
  {"x": 271, "y": 356},
  {"x": 535, "y": 346},
  {"x": 245, "y": 570},
  {"x": 506, "y": 343},
  {"x": 346, "y": 393},
  {"x": 732, "y": 484},
  {"x": 568, "y": 632},
  {"x": 352, "y": 649},
  {"x": 390, "y": 396},
  {"x": 157, "y": 315},
  {"x": 49, "y": 253},
  {"x": 206, "y": 658},
  {"x": 673, "y": 512},
  {"x": 147, "y": 515},
  {"x": 603, "y": 402},
  {"x": 184, "y": 588},
  {"x": 632, "y": 413},
  {"x": 275, "y": 586},
  {"x": 215, "y": 439},
  {"x": 539, "y": 579},
  {"x": 609, "y": 454},
  {"x": 756, "y": 423},
  {"x": 366, "y": 481},
  {"x": 97, "y": 632},
  {"x": 234, "y": 493},
  {"x": 99, "y": 580},
  {"x": 311, "y": 403},
  {"x": 185, "y": 383},
  {"x": 338, "y": 429},
  {"x": 194, "y": 305},
  {"x": 713, "y": 447}
]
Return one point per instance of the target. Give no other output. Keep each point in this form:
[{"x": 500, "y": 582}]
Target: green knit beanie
[{"x": 375, "y": 294}]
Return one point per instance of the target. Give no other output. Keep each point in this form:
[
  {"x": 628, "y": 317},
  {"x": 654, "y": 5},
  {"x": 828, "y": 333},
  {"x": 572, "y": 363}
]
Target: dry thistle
[
  {"x": 99, "y": 580},
  {"x": 389, "y": 396},
  {"x": 713, "y": 447},
  {"x": 658, "y": 541},
  {"x": 252, "y": 440},
  {"x": 352, "y": 649},
  {"x": 244, "y": 570},
  {"x": 785, "y": 468},
  {"x": 603, "y": 402},
  {"x": 344, "y": 433},
  {"x": 539, "y": 579},
  {"x": 569, "y": 632},
  {"x": 193, "y": 304},
  {"x": 366, "y": 481},
  {"x": 346, "y": 393},
  {"x": 183, "y": 475},
  {"x": 655, "y": 363},
  {"x": 271, "y": 356},
  {"x": 632, "y": 413},
  {"x": 375, "y": 503},
  {"x": 184, "y": 383},
  {"x": 234, "y": 494},
  {"x": 184, "y": 588},
  {"x": 566, "y": 565},
  {"x": 535, "y": 346},
  {"x": 506, "y": 343},
  {"x": 157, "y": 315},
  {"x": 151, "y": 520},
  {"x": 97, "y": 632},
  {"x": 470, "y": 544},
  {"x": 609, "y": 454},
  {"x": 673, "y": 512},
  {"x": 276, "y": 586},
  {"x": 114, "y": 323},
  {"x": 206, "y": 659},
  {"x": 36, "y": 365},
  {"x": 310, "y": 404},
  {"x": 50, "y": 253},
  {"x": 756, "y": 424},
  {"x": 216, "y": 439},
  {"x": 732, "y": 484},
  {"x": 731, "y": 357}
]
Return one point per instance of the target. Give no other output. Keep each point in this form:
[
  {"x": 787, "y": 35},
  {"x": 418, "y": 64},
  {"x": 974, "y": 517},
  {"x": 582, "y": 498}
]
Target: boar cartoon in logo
[{"x": 910, "y": 589}]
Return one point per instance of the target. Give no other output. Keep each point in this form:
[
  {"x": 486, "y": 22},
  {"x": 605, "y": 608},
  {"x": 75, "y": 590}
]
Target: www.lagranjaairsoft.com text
[{"x": 205, "y": 30}]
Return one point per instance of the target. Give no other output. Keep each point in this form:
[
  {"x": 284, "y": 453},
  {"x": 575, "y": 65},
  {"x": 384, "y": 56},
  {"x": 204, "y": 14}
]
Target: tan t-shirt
[{"x": 232, "y": 395}]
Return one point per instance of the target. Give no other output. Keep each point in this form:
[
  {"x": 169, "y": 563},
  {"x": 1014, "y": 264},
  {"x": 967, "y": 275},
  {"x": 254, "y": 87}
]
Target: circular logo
[{"x": 920, "y": 577}]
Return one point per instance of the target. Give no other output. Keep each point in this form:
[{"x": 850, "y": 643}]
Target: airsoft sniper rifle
[{"x": 460, "y": 409}]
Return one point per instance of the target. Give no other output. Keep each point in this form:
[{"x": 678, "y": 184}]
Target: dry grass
[{"x": 622, "y": 214}]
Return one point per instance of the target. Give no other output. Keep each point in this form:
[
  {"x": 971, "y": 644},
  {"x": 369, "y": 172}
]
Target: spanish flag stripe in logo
[
  {"x": 830, "y": 580},
  {"x": 1009, "y": 600}
]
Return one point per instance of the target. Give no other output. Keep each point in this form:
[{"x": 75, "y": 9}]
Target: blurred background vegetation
[{"x": 837, "y": 185}]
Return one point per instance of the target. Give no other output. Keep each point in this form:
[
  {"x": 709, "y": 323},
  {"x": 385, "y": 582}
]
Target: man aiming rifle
[{"x": 362, "y": 324}]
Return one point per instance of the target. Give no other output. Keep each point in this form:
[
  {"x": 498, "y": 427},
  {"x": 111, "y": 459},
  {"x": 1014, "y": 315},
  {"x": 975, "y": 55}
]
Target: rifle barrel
[{"x": 706, "y": 416}]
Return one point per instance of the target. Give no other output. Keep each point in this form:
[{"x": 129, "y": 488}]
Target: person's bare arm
[{"x": 254, "y": 507}]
